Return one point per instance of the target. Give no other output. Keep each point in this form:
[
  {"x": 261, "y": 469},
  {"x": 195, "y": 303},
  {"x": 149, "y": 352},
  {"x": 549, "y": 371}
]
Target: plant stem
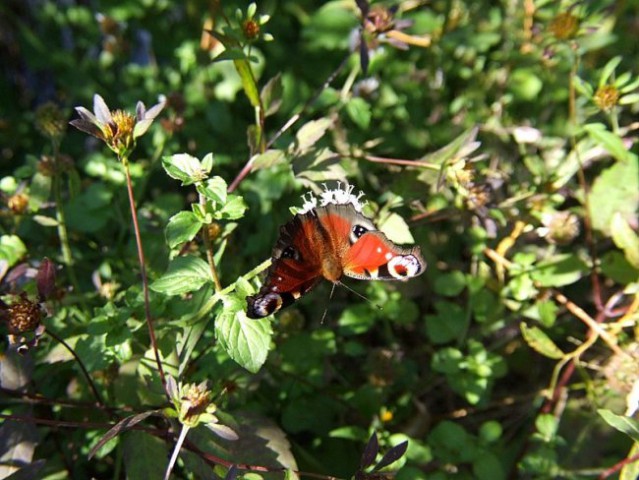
[
  {"x": 176, "y": 451},
  {"x": 209, "y": 250},
  {"x": 145, "y": 282},
  {"x": 247, "y": 167},
  {"x": 95, "y": 391},
  {"x": 63, "y": 234}
]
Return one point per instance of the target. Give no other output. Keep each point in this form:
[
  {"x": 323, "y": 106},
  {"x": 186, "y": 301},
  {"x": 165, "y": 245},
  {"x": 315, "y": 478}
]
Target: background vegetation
[{"x": 498, "y": 136}]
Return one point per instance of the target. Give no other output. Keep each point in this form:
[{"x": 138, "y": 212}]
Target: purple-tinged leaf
[
  {"x": 102, "y": 112},
  {"x": 232, "y": 473},
  {"x": 86, "y": 115},
  {"x": 122, "y": 426},
  {"x": 364, "y": 7},
  {"x": 392, "y": 455},
  {"x": 363, "y": 54},
  {"x": 87, "y": 127},
  {"x": 370, "y": 452},
  {"x": 140, "y": 111},
  {"x": 45, "y": 278},
  {"x": 155, "y": 110}
]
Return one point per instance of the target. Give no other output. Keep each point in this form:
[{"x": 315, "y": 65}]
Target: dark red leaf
[
  {"x": 393, "y": 454},
  {"x": 370, "y": 452},
  {"x": 121, "y": 426},
  {"x": 363, "y": 7},
  {"x": 45, "y": 278},
  {"x": 232, "y": 473}
]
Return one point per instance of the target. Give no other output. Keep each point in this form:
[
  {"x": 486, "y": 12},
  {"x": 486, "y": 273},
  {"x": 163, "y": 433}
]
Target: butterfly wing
[
  {"x": 295, "y": 268},
  {"x": 374, "y": 257},
  {"x": 366, "y": 253}
]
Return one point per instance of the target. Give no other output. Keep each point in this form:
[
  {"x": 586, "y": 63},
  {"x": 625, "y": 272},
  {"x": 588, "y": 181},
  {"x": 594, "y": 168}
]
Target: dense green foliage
[{"x": 497, "y": 136}]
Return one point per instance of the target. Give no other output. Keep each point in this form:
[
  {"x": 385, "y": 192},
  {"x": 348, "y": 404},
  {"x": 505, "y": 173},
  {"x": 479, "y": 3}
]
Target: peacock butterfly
[{"x": 329, "y": 241}]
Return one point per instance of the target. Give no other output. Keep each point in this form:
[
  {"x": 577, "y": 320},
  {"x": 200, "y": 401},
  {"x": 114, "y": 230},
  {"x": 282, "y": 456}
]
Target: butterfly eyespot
[
  {"x": 265, "y": 305},
  {"x": 357, "y": 231},
  {"x": 404, "y": 266},
  {"x": 290, "y": 252}
]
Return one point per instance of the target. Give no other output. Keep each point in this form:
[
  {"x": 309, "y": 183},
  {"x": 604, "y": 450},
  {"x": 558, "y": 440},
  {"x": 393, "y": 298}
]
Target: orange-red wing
[{"x": 373, "y": 256}]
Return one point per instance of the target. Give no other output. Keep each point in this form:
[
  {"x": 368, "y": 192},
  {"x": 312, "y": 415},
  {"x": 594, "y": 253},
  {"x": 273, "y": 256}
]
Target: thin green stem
[
  {"x": 208, "y": 247},
  {"x": 63, "y": 234},
  {"x": 145, "y": 281}
]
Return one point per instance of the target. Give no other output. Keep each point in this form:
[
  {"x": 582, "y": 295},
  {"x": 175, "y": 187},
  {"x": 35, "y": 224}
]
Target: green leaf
[
  {"x": 234, "y": 208},
  {"x": 272, "y": 95},
  {"x": 185, "y": 168},
  {"x": 625, "y": 238},
  {"x": 182, "y": 227},
  {"x": 141, "y": 453},
  {"x": 396, "y": 229},
  {"x": 214, "y": 189},
  {"x": 310, "y": 133},
  {"x": 268, "y": 159},
  {"x": 40, "y": 191},
  {"x": 540, "y": 342},
  {"x": 245, "y": 340},
  {"x": 359, "y": 110},
  {"x": 616, "y": 190},
  {"x": 608, "y": 69},
  {"x": 185, "y": 274},
  {"x": 11, "y": 249},
  {"x": 449, "y": 323},
  {"x": 450, "y": 284},
  {"x": 230, "y": 54},
  {"x": 559, "y": 271},
  {"x": 248, "y": 81},
  {"x": 626, "y": 425},
  {"x": 616, "y": 266},
  {"x": 630, "y": 471},
  {"x": 610, "y": 141},
  {"x": 547, "y": 425}
]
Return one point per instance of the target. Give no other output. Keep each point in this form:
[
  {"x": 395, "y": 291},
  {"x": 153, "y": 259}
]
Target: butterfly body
[{"x": 328, "y": 242}]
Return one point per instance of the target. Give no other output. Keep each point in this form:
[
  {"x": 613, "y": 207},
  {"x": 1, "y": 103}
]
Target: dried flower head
[
  {"x": 22, "y": 317},
  {"x": 559, "y": 228},
  {"x": 118, "y": 129},
  {"x": 50, "y": 120}
]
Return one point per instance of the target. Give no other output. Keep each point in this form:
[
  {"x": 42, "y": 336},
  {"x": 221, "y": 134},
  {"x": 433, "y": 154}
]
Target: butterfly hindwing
[
  {"x": 294, "y": 271},
  {"x": 374, "y": 257}
]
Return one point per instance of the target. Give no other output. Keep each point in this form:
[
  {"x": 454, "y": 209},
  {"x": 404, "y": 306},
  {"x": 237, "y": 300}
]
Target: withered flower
[
  {"x": 379, "y": 25},
  {"x": 559, "y": 227},
  {"x": 24, "y": 316},
  {"x": 118, "y": 129},
  {"x": 50, "y": 120}
]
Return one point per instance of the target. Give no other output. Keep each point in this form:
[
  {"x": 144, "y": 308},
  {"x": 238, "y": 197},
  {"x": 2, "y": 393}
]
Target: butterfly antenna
[
  {"x": 363, "y": 297},
  {"x": 326, "y": 309}
]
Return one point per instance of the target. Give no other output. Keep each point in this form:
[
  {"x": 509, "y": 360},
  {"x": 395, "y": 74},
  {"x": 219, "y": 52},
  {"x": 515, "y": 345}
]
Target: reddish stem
[{"x": 145, "y": 282}]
